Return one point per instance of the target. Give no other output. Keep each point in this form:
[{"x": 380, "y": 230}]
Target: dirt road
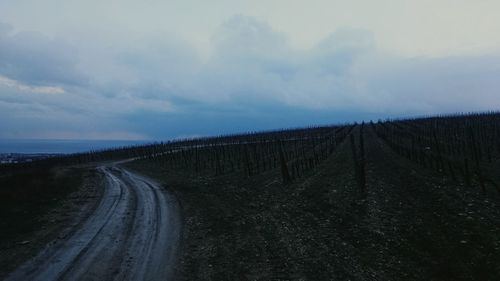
[{"x": 132, "y": 235}]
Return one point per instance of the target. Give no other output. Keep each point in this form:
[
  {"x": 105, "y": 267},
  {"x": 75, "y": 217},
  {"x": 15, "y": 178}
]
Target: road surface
[{"x": 131, "y": 235}]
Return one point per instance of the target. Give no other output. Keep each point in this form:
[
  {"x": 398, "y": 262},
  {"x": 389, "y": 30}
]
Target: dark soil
[{"x": 410, "y": 224}]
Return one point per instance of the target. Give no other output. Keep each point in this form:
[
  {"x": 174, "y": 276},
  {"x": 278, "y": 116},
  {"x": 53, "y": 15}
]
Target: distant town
[{"x": 9, "y": 158}]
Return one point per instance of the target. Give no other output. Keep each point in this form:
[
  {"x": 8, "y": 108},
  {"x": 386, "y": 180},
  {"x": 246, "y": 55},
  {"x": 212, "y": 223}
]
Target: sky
[{"x": 156, "y": 70}]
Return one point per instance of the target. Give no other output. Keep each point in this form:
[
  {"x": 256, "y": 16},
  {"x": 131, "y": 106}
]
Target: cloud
[
  {"x": 243, "y": 37},
  {"x": 430, "y": 85},
  {"x": 253, "y": 64},
  {"x": 35, "y": 59},
  {"x": 49, "y": 90},
  {"x": 5, "y": 29},
  {"x": 159, "y": 86}
]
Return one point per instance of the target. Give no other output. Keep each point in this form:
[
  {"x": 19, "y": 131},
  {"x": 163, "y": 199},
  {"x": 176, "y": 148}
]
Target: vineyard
[
  {"x": 410, "y": 199},
  {"x": 464, "y": 148}
]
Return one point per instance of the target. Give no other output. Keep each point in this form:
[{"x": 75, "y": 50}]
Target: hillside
[
  {"x": 413, "y": 199},
  {"x": 421, "y": 214}
]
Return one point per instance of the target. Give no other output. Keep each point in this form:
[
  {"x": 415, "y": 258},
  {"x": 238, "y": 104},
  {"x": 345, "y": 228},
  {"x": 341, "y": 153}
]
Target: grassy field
[{"x": 409, "y": 223}]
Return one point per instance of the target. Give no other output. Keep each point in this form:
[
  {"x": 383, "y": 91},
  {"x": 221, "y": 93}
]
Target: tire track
[{"x": 131, "y": 235}]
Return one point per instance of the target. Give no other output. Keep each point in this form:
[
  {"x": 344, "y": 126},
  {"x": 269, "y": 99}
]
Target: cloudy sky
[{"x": 160, "y": 69}]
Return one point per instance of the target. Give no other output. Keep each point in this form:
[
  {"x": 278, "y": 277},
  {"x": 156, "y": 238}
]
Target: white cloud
[
  {"x": 411, "y": 28},
  {"x": 48, "y": 90}
]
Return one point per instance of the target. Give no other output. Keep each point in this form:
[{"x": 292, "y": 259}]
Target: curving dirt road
[{"x": 132, "y": 235}]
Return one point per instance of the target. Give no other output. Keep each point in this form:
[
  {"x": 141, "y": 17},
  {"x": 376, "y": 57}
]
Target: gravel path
[{"x": 132, "y": 234}]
